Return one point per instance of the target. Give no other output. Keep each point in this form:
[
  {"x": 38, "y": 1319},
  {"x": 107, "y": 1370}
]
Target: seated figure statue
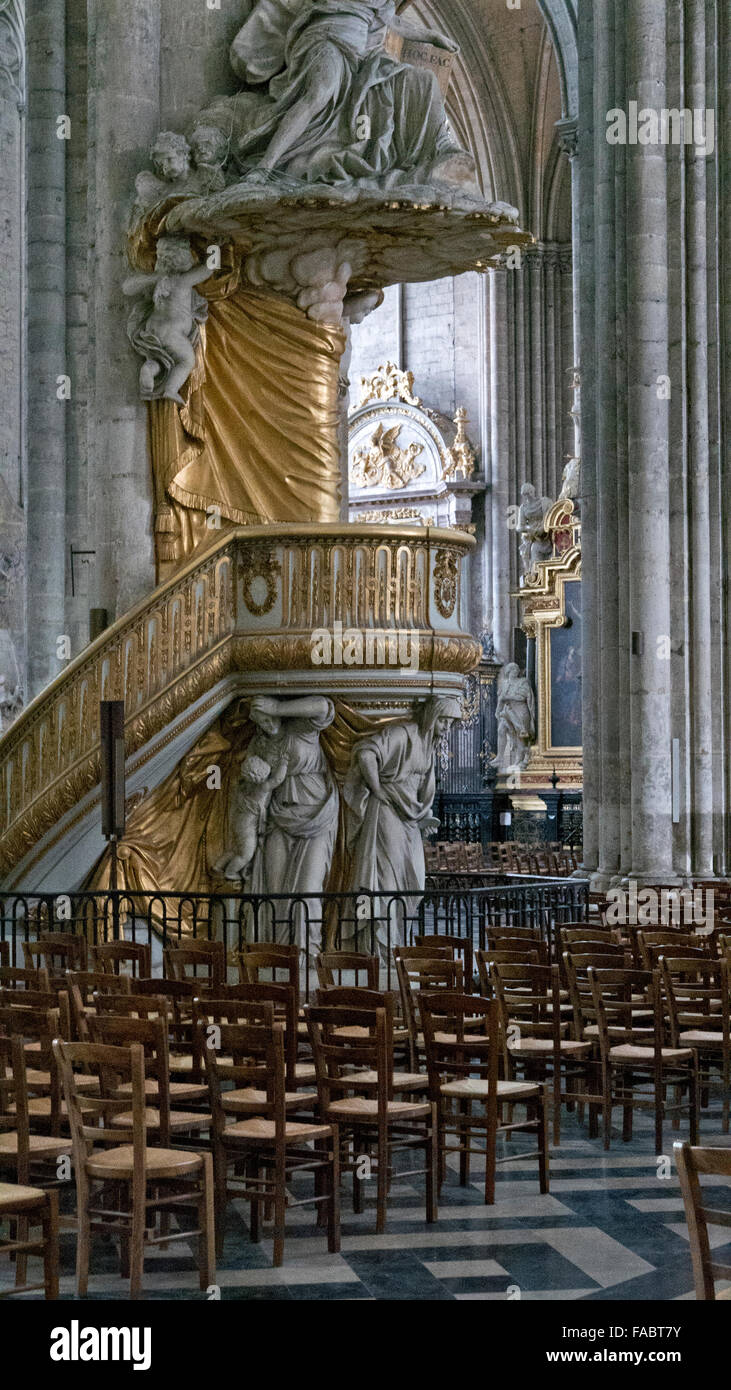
[{"x": 324, "y": 102}]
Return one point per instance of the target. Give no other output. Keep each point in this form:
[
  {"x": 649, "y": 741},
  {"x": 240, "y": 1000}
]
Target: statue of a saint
[
  {"x": 324, "y": 102},
  {"x": 535, "y": 543},
  {"x": 516, "y": 720},
  {"x": 389, "y": 793}
]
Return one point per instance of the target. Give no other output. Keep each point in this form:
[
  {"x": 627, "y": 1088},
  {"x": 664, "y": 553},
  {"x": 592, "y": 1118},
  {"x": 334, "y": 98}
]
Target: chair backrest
[
  {"x": 39, "y": 1026},
  {"x": 21, "y": 978},
  {"x": 57, "y": 951},
  {"x": 14, "y": 1093},
  {"x": 461, "y": 947},
  {"x": 344, "y": 1041},
  {"x": 113, "y": 956},
  {"x": 529, "y": 998},
  {"x": 151, "y": 1033},
  {"x": 692, "y": 1163},
  {"x": 426, "y": 951},
  {"x": 81, "y": 986},
  {"x": 697, "y": 994},
  {"x": 454, "y": 1050},
  {"x": 332, "y": 964},
  {"x": 210, "y": 1014},
  {"x": 422, "y": 972},
  {"x": 282, "y": 968},
  {"x": 132, "y": 1005},
  {"x": 622, "y": 999},
  {"x": 651, "y": 945},
  {"x": 92, "y": 1114},
  {"x": 256, "y": 1051},
  {"x": 203, "y": 961},
  {"x": 521, "y": 953}
]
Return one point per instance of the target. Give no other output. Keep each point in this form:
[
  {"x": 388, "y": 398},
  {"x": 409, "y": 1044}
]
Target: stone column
[
  {"x": 502, "y": 477},
  {"x": 12, "y": 351},
  {"x": 46, "y": 491},
  {"x": 124, "y": 117},
  {"x": 648, "y": 456}
]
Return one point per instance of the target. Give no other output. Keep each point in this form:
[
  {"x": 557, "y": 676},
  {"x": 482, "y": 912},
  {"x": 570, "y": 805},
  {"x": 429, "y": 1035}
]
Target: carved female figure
[{"x": 296, "y": 848}]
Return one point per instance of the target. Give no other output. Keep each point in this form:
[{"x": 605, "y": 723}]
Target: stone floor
[{"x": 610, "y": 1229}]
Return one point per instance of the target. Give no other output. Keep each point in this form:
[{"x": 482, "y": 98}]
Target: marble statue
[
  {"x": 164, "y": 324},
  {"x": 516, "y": 720},
  {"x": 296, "y": 844},
  {"x": 171, "y": 172},
  {"x": 325, "y": 103},
  {"x": 535, "y": 544},
  {"x": 389, "y": 793},
  {"x": 571, "y": 482},
  {"x": 251, "y": 796},
  {"x": 209, "y": 153}
]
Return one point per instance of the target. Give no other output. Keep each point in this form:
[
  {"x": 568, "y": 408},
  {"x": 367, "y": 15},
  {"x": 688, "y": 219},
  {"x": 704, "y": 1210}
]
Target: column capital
[{"x": 567, "y": 131}]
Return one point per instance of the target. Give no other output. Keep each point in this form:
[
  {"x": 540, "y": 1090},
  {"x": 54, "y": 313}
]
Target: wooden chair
[
  {"x": 30, "y": 1159},
  {"x": 56, "y": 952},
  {"x": 270, "y": 1144},
  {"x": 81, "y": 986},
  {"x": 537, "y": 1037},
  {"x": 113, "y": 956},
  {"x": 462, "y": 1039},
  {"x": 697, "y": 994},
  {"x": 130, "y": 1164},
  {"x": 36, "y": 1029},
  {"x": 423, "y": 972},
  {"x": 461, "y": 948},
  {"x": 186, "y": 960},
  {"x": 20, "y": 978},
  {"x": 630, "y": 1051},
  {"x": 162, "y": 1117},
  {"x": 29, "y": 1207},
  {"x": 691, "y": 1164},
  {"x": 341, "y": 997},
  {"x": 346, "y": 1043},
  {"x": 178, "y": 996},
  {"x": 355, "y": 963},
  {"x": 651, "y": 945}
]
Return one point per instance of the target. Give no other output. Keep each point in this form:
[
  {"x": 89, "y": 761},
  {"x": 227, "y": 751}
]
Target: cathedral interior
[{"x": 365, "y": 652}]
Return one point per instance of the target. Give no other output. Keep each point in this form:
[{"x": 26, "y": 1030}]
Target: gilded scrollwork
[{"x": 445, "y": 582}]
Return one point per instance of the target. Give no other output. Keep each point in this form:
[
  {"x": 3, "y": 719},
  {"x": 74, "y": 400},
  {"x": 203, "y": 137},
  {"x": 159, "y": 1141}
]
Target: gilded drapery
[
  {"x": 258, "y": 435},
  {"x": 179, "y": 831}
]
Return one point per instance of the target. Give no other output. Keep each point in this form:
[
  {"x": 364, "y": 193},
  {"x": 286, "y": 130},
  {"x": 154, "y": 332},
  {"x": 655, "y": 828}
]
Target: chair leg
[
  {"x": 207, "y": 1225},
  {"x": 83, "y": 1247},
  {"x": 220, "y": 1179},
  {"x": 50, "y": 1245},
  {"x": 464, "y": 1153},
  {"x": 280, "y": 1208},
  {"x": 557, "y": 1100},
  {"x": 137, "y": 1243},
  {"x": 333, "y": 1204},
  {"x": 22, "y": 1233},
  {"x": 491, "y": 1156},
  {"x": 694, "y": 1100},
  {"x": 607, "y": 1106},
  {"x": 382, "y": 1185},
  {"x": 432, "y": 1168},
  {"x": 543, "y": 1160}
]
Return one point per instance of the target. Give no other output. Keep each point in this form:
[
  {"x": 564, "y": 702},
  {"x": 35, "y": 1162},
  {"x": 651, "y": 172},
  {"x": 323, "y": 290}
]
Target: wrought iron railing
[{"x": 364, "y": 922}]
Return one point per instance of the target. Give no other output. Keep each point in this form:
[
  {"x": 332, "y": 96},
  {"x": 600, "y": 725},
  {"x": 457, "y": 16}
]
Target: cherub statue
[
  {"x": 164, "y": 325},
  {"x": 170, "y": 155},
  {"x": 209, "y": 152},
  {"x": 248, "y": 813}
]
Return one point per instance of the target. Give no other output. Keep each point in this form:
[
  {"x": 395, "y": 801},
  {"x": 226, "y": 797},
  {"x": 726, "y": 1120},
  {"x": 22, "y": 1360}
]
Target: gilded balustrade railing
[{"x": 249, "y": 603}]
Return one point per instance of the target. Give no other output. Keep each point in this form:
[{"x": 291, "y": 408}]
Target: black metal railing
[{"x": 369, "y": 922}]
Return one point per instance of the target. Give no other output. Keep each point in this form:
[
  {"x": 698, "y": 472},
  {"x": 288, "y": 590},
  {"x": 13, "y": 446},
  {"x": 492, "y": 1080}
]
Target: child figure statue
[
  {"x": 247, "y": 818},
  {"x": 209, "y": 151},
  {"x": 164, "y": 326}
]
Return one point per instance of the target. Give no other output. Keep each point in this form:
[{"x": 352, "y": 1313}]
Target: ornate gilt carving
[
  {"x": 460, "y": 459},
  {"x": 388, "y": 384},
  {"x": 445, "y": 582},
  {"x": 384, "y": 463},
  {"x": 260, "y": 571}
]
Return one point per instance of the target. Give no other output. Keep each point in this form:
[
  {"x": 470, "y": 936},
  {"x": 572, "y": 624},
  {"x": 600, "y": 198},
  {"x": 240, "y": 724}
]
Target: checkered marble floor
[{"x": 611, "y": 1228}]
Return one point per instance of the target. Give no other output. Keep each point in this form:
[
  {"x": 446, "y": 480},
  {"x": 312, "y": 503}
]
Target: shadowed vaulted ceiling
[{"x": 509, "y": 89}]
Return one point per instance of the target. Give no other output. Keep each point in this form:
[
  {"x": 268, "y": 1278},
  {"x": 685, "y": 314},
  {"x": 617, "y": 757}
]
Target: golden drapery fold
[
  {"x": 258, "y": 435},
  {"x": 179, "y": 831}
]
